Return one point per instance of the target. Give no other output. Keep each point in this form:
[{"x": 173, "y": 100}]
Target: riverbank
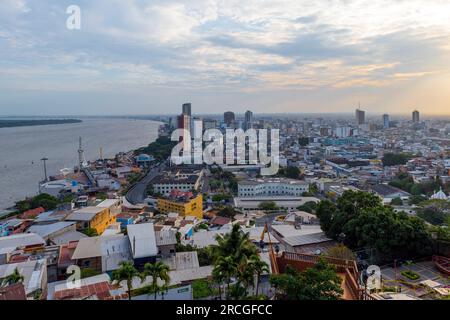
[
  {"x": 23, "y": 148},
  {"x": 30, "y": 123}
]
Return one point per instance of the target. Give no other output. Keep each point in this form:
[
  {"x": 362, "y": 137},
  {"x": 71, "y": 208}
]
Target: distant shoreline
[{"x": 29, "y": 123}]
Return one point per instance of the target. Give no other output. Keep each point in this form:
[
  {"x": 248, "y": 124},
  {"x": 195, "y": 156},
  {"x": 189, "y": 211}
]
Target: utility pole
[{"x": 45, "y": 168}]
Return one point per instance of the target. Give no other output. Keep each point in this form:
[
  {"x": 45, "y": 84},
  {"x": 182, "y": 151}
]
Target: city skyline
[{"x": 268, "y": 57}]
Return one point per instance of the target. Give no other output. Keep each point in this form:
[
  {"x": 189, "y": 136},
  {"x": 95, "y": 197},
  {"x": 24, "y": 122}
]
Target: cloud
[{"x": 205, "y": 48}]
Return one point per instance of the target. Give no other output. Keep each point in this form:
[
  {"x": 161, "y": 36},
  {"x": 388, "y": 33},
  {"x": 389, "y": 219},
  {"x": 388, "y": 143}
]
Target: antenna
[
  {"x": 45, "y": 168},
  {"x": 80, "y": 155}
]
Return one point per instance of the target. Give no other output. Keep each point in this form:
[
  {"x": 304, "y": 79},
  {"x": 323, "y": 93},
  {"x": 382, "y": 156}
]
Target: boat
[{"x": 442, "y": 263}]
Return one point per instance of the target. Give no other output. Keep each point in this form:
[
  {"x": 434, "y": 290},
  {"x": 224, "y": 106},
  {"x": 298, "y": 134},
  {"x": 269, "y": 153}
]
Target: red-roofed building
[
  {"x": 13, "y": 292},
  {"x": 32, "y": 214},
  {"x": 101, "y": 291},
  {"x": 220, "y": 221}
]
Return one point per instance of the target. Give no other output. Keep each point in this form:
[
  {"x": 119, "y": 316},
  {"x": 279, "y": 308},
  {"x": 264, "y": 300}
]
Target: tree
[
  {"x": 397, "y": 201},
  {"x": 12, "y": 279},
  {"x": 309, "y": 207},
  {"x": 393, "y": 159},
  {"x": 267, "y": 205},
  {"x": 292, "y": 172},
  {"x": 225, "y": 268},
  {"x": 258, "y": 267},
  {"x": 320, "y": 282},
  {"x": 303, "y": 141},
  {"x": 90, "y": 232},
  {"x": 434, "y": 211},
  {"x": 126, "y": 272},
  {"x": 367, "y": 223},
  {"x": 157, "y": 271},
  {"x": 227, "y": 211},
  {"x": 340, "y": 252},
  {"x": 233, "y": 252}
]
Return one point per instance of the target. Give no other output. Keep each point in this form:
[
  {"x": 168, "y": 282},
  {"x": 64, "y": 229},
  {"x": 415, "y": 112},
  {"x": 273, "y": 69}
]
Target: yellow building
[
  {"x": 192, "y": 207},
  {"x": 97, "y": 218}
]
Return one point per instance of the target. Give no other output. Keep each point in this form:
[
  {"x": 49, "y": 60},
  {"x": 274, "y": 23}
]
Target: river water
[{"x": 21, "y": 149}]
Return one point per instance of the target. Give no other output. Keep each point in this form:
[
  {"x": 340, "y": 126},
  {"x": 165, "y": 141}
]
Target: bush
[
  {"x": 411, "y": 275},
  {"x": 202, "y": 289}
]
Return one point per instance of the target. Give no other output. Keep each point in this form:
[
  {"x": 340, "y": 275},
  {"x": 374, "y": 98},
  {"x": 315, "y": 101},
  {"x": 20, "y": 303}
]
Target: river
[{"x": 21, "y": 149}]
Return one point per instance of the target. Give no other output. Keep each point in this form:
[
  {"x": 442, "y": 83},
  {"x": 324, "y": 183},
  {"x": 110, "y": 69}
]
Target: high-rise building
[
  {"x": 187, "y": 108},
  {"x": 416, "y": 116},
  {"x": 229, "y": 118},
  {"x": 248, "y": 120},
  {"x": 360, "y": 117},
  {"x": 386, "y": 121},
  {"x": 184, "y": 122}
]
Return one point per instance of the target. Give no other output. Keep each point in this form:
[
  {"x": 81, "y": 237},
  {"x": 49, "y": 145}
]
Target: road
[{"x": 138, "y": 192}]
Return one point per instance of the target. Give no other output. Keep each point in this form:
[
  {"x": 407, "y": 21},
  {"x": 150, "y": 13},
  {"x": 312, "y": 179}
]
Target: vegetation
[
  {"x": 12, "y": 279},
  {"x": 236, "y": 263},
  {"x": 340, "y": 252},
  {"x": 28, "y": 123},
  {"x": 126, "y": 272},
  {"x": 435, "y": 211},
  {"x": 88, "y": 272},
  {"x": 320, "y": 282},
  {"x": 203, "y": 288},
  {"x": 205, "y": 255},
  {"x": 309, "y": 207},
  {"x": 290, "y": 172},
  {"x": 44, "y": 200},
  {"x": 223, "y": 179},
  {"x": 90, "y": 232},
  {"x": 268, "y": 205},
  {"x": 221, "y": 197},
  {"x": 227, "y": 211},
  {"x": 406, "y": 183},
  {"x": 361, "y": 221},
  {"x": 393, "y": 159},
  {"x": 411, "y": 275},
  {"x": 160, "y": 149},
  {"x": 397, "y": 202},
  {"x": 157, "y": 271},
  {"x": 303, "y": 141}
]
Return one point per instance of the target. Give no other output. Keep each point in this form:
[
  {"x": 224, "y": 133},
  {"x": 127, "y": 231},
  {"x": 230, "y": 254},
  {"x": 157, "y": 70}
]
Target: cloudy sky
[{"x": 148, "y": 57}]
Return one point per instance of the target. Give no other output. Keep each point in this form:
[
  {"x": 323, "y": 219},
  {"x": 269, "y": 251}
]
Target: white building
[
  {"x": 272, "y": 187},
  {"x": 182, "y": 181}
]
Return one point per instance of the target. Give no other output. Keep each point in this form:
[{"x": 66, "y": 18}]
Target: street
[{"x": 137, "y": 193}]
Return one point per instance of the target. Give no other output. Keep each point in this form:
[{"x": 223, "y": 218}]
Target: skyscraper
[
  {"x": 386, "y": 121},
  {"x": 416, "y": 116},
  {"x": 229, "y": 118},
  {"x": 360, "y": 117},
  {"x": 187, "y": 109},
  {"x": 248, "y": 120}
]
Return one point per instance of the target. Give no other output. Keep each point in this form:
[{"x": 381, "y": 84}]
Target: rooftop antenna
[{"x": 80, "y": 155}]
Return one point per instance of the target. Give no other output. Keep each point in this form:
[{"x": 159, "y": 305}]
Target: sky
[{"x": 149, "y": 57}]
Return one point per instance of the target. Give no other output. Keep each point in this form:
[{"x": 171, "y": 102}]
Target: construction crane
[{"x": 273, "y": 257}]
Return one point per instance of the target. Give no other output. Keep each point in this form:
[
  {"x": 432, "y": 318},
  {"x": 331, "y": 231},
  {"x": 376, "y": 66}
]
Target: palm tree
[
  {"x": 127, "y": 272},
  {"x": 13, "y": 278},
  {"x": 157, "y": 270},
  {"x": 218, "y": 278},
  {"x": 227, "y": 267},
  {"x": 258, "y": 267}
]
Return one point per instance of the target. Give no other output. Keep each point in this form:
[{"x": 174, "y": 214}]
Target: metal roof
[{"x": 142, "y": 240}]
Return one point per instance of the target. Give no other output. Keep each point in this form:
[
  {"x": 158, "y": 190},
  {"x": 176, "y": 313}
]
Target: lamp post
[{"x": 44, "y": 160}]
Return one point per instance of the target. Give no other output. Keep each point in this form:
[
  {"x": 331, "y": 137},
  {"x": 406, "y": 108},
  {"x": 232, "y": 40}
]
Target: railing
[{"x": 348, "y": 267}]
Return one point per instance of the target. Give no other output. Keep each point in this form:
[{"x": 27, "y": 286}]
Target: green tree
[
  {"x": 393, "y": 159},
  {"x": 320, "y": 282},
  {"x": 227, "y": 211},
  {"x": 157, "y": 271},
  {"x": 225, "y": 268},
  {"x": 292, "y": 172},
  {"x": 258, "y": 267},
  {"x": 12, "y": 279},
  {"x": 267, "y": 205},
  {"x": 126, "y": 272},
  {"x": 340, "y": 252},
  {"x": 397, "y": 202}
]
